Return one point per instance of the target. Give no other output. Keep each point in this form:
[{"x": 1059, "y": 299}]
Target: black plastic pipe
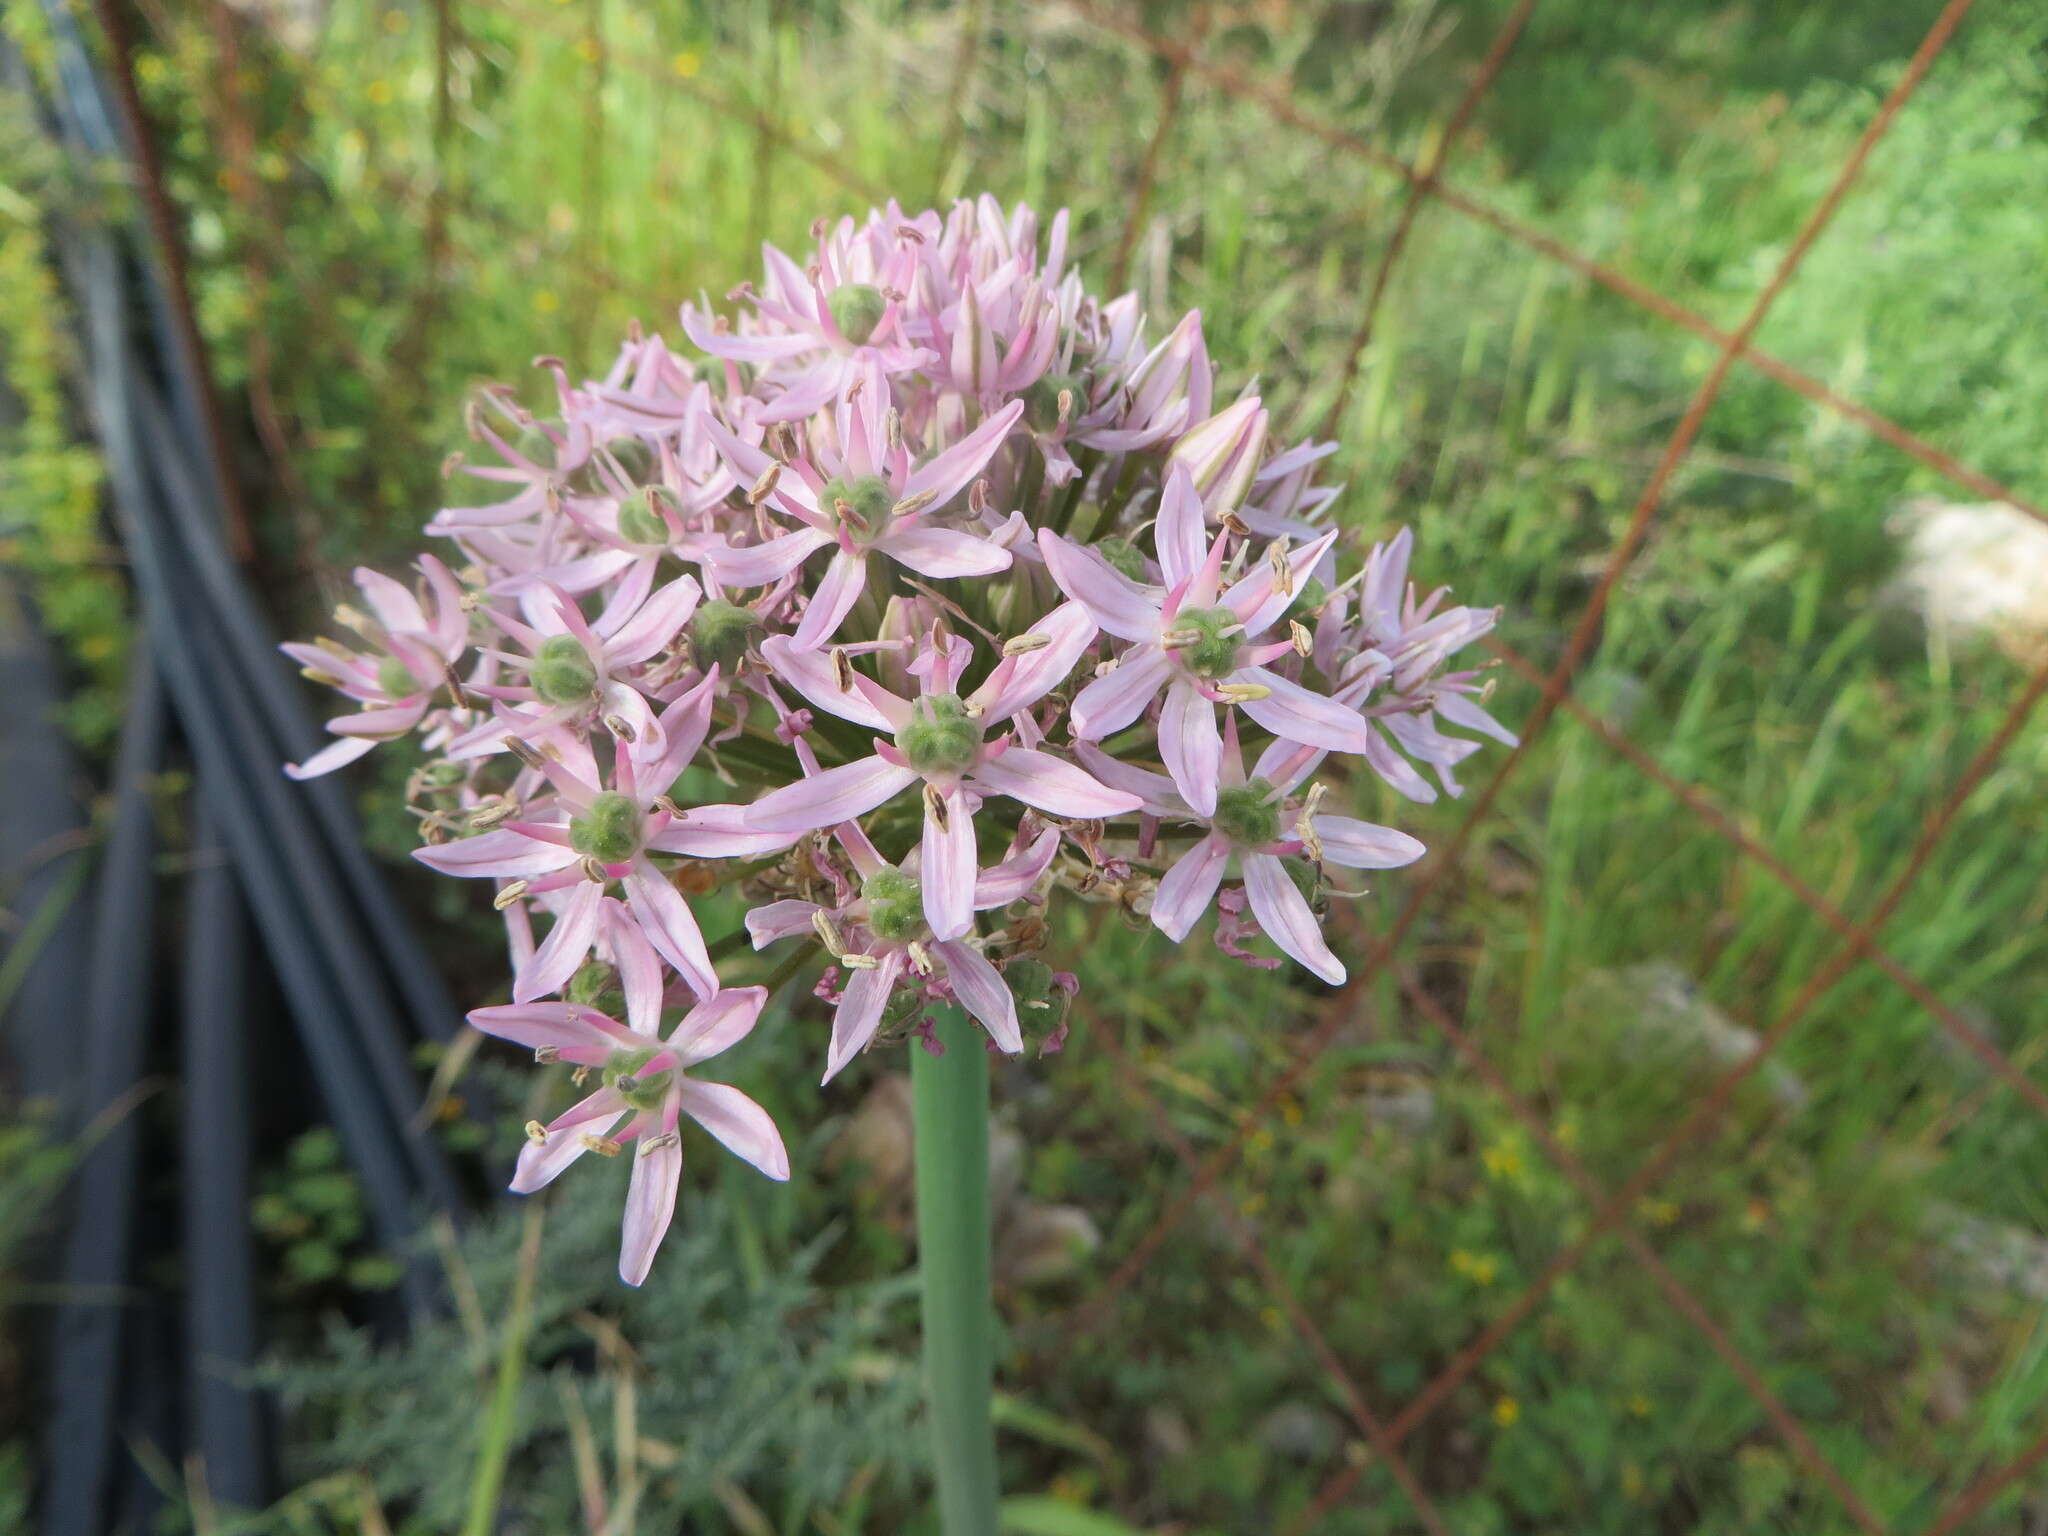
[{"x": 225, "y": 1416}]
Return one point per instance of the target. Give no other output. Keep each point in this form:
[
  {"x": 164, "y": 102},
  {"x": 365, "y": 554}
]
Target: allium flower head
[{"x": 911, "y": 592}]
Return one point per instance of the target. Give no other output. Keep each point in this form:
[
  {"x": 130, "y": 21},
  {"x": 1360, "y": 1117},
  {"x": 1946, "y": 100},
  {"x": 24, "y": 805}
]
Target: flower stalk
[{"x": 949, "y": 1096}]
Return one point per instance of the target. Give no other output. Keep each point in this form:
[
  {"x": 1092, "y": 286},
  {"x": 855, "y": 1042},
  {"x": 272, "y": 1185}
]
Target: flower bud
[
  {"x": 1223, "y": 453},
  {"x": 903, "y": 620}
]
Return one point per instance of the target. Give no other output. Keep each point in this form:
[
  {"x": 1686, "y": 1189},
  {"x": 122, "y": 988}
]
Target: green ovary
[
  {"x": 596, "y": 985},
  {"x": 857, "y": 308},
  {"x": 609, "y": 831},
  {"x": 640, "y": 1092},
  {"x": 396, "y": 678},
  {"x": 1212, "y": 654},
  {"x": 1248, "y": 814},
  {"x": 867, "y": 497},
  {"x": 1042, "y": 400},
  {"x": 720, "y": 632},
  {"x": 1122, "y": 556},
  {"x": 640, "y": 521},
  {"x": 645, "y": 1092},
  {"x": 940, "y": 737},
  {"x": 895, "y": 905},
  {"x": 621, "y": 1065},
  {"x": 561, "y": 672}
]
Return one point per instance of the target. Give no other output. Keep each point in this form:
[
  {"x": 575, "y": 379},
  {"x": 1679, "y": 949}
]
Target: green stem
[
  {"x": 950, "y": 1104},
  {"x": 501, "y": 1418}
]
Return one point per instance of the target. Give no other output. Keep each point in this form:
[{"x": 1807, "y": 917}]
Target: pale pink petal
[
  {"x": 1462, "y": 711},
  {"x": 1117, "y": 603},
  {"x": 661, "y": 756},
  {"x": 943, "y": 552},
  {"x": 1258, "y": 600},
  {"x": 1290, "y": 710},
  {"x": 629, "y": 705},
  {"x": 748, "y": 462},
  {"x": 650, "y": 1205},
  {"x": 1018, "y": 682},
  {"x": 1283, "y": 912},
  {"x": 744, "y": 349},
  {"x": 897, "y": 711},
  {"x": 335, "y": 754},
  {"x": 396, "y": 608},
  {"x": 1155, "y": 791},
  {"x": 565, "y": 947},
  {"x": 718, "y": 832},
  {"x": 808, "y": 394},
  {"x": 860, "y": 1010},
  {"x": 949, "y": 867},
  {"x": 1181, "y": 532},
  {"x": 861, "y": 853},
  {"x": 1042, "y": 780},
  {"x": 500, "y": 852},
  {"x": 1361, "y": 845},
  {"x": 640, "y": 974},
  {"x": 624, "y": 598},
  {"x": 945, "y": 475},
  {"x": 451, "y": 623},
  {"x": 811, "y": 673},
  {"x": 759, "y": 565},
  {"x": 382, "y": 724},
  {"x": 566, "y": 1026},
  {"x": 982, "y": 991},
  {"x": 1191, "y": 746},
  {"x": 670, "y": 926},
  {"x": 518, "y": 933},
  {"x": 780, "y": 920},
  {"x": 660, "y": 619},
  {"x": 1284, "y": 764},
  {"x": 737, "y": 1121},
  {"x": 717, "y": 1024},
  {"x": 837, "y": 591},
  {"x": 1119, "y": 696},
  {"x": 837, "y": 794},
  {"x": 1014, "y": 878},
  {"x": 540, "y": 1162},
  {"x": 1399, "y": 773},
  {"x": 1187, "y": 890}
]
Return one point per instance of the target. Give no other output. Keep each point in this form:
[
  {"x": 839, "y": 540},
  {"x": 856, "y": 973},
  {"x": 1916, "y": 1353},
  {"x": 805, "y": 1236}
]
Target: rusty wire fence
[
  {"x": 1166, "y": 68},
  {"x": 1861, "y": 934}
]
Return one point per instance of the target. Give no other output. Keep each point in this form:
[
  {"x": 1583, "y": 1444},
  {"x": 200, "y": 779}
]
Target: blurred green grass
[{"x": 600, "y": 162}]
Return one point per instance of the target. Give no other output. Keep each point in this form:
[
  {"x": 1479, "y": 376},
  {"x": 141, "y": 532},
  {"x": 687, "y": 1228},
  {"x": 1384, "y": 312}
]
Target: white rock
[{"x": 1976, "y": 570}]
